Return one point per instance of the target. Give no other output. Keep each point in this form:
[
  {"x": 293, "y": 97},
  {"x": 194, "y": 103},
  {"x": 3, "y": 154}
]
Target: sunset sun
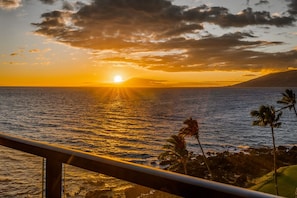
[{"x": 117, "y": 79}]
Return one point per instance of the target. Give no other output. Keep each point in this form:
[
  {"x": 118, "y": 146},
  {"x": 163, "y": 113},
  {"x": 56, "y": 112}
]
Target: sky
[{"x": 201, "y": 43}]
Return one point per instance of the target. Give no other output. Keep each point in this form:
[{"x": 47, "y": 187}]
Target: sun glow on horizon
[{"x": 117, "y": 79}]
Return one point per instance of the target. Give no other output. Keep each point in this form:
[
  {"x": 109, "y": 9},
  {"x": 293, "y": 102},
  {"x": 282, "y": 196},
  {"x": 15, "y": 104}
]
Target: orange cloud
[{"x": 10, "y": 4}]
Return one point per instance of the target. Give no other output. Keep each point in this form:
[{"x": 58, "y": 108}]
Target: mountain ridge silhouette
[{"x": 279, "y": 79}]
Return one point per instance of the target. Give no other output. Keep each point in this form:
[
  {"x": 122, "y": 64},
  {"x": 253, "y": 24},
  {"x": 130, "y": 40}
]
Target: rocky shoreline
[{"x": 240, "y": 169}]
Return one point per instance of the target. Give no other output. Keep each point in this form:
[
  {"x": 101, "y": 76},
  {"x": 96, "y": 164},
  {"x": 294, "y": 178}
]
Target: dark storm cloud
[
  {"x": 261, "y": 2},
  {"x": 223, "y": 53},
  {"x": 67, "y": 6},
  {"x": 138, "y": 16},
  {"x": 221, "y": 17},
  {"x": 48, "y": 1},
  {"x": 133, "y": 26},
  {"x": 293, "y": 7}
]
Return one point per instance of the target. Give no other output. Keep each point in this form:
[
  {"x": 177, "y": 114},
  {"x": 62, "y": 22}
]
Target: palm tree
[
  {"x": 176, "y": 154},
  {"x": 192, "y": 130},
  {"x": 288, "y": 100},
  {"x": 266, "y": 115}
]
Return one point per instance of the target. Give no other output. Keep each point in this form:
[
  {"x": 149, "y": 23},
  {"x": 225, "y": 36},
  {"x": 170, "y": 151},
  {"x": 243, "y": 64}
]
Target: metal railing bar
[
  {"x": 53, "y": 178},
  {"x": 166, "y": 181}
]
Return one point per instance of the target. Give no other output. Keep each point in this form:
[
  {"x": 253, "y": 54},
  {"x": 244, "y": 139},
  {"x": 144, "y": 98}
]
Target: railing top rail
[{"x": 173, "y": 183}]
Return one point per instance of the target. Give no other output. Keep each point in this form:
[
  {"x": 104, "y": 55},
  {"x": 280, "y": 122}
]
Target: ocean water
[{"x": 130, "y": 124}]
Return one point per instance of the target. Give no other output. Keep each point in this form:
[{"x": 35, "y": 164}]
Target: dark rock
[
  {"x": 100, "y": 194},
  {"x": 241, "y": 168}
]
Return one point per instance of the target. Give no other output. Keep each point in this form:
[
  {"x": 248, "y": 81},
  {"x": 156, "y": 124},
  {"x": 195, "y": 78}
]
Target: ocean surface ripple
[{"x": 133, "y": 124}]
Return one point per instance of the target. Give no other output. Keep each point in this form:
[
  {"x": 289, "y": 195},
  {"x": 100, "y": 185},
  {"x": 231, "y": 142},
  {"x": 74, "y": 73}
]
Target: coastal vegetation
[
  {"x": 289, "y": 100},
  {"x": 176, "y": 155},
  {"x": 192, "y": 130},
  {"x": 266, "y": 115},
  {"x": 287, "y": 181},
  {"x": 244, "y": 167}
]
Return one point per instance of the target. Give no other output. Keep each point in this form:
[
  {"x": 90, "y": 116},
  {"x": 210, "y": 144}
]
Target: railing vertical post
[{"x": 53, "y": 178}]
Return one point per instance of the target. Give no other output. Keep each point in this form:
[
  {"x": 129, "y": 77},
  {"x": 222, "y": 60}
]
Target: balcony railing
[{"x": 177, "y": 184}]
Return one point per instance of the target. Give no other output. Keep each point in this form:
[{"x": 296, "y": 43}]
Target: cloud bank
[{"x": 159, "y": 35}]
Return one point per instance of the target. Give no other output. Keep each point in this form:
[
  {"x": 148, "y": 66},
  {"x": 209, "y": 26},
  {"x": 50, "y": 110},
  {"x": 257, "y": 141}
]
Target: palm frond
[
  {"x": 192, "y": 128},
  {"x": 175, "y": 154},
  {"x": 288, "y": 99}
]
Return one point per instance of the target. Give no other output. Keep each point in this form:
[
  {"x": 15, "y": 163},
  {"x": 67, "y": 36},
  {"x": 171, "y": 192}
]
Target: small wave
[
  {"x": 5, "y": 179},
  {"x": 82, "y": 131},
  {"x": 243, "y": 147},
  {"x": 49, "y": 125}
]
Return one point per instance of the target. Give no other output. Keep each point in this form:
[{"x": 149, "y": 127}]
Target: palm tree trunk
[
  {"x": 295, "y": 110},
  {"x": 185, "y": 168},
  {"x": 274, "y": 161},
  {"x": 204, "y": 158}
]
